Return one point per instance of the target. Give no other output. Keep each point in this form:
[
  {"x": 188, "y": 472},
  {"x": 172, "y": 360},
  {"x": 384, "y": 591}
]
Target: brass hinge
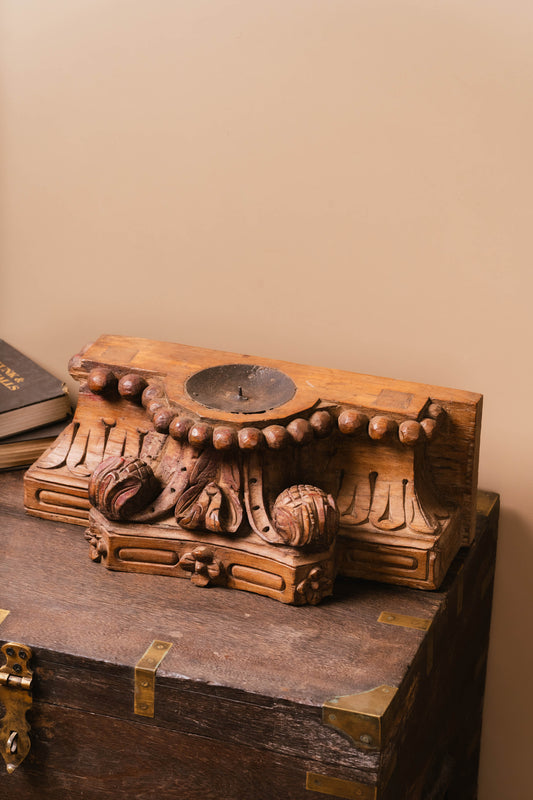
[{"x": 15, "y": 695}]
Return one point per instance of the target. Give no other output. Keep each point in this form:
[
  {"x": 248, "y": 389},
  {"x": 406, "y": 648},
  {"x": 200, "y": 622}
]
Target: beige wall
[{"x": 346, "y": 183}]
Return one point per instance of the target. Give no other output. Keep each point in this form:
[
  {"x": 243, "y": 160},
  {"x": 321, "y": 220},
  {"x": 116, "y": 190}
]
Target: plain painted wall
[{"x": 345, "y": 183}]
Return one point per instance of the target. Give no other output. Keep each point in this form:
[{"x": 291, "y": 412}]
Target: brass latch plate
[
  {"x": 338, "y": 787},
  {"x": 405, "y": 621},
  {"x": 145, "y": 670},
  {"x": 360, "y": 716},
  {"x": 15, "y": 695}
]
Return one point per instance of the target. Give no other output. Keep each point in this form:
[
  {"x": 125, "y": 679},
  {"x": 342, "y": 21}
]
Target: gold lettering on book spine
[{"x": 11, "y": 380}]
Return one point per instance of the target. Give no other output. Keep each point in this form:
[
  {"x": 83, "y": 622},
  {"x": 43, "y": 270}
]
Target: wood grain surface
[{"x": 240, "y": 693}]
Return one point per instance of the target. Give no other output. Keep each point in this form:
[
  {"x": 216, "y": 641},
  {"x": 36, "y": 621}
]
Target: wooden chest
[{"x": 375, "y": 693}]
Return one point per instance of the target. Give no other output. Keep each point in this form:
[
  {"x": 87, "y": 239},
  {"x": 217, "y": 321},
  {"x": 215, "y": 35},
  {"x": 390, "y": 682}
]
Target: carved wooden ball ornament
[
  {"x": 120, "y": 487},
  {"x": 161, "y": 419},
  {"x": 305, "y": 516},
  {"x": 224, "y": 438},
  {"x": 101, "y": 380},
  {"x": 131, "y": 386}
]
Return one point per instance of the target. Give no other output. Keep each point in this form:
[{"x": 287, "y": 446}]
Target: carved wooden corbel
[{"x": 286, "y": 474}]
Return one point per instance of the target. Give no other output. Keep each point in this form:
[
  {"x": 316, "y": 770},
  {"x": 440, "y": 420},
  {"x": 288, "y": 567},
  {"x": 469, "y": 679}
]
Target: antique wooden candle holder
[{"x": 260, "y": 475}]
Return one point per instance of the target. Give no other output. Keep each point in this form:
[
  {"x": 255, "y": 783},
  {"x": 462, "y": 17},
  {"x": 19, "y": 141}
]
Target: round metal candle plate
[{"x": 240, "y": 388}]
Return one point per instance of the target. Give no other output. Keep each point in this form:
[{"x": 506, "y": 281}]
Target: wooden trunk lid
[{"x": 246, "y": 677}]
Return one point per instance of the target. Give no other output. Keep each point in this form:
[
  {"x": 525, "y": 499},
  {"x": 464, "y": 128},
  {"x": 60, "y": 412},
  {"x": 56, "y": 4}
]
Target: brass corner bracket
[
  {"x": 360, "y": 716},
  {"x": 145, "y": 669}
]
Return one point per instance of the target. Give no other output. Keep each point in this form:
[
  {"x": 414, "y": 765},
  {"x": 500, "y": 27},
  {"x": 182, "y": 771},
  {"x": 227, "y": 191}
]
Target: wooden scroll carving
[{"x": 260, "y": 475}]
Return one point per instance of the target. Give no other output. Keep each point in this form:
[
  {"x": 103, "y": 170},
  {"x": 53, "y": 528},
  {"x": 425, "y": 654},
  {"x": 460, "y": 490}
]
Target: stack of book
[{"x": 34, "y": 408}]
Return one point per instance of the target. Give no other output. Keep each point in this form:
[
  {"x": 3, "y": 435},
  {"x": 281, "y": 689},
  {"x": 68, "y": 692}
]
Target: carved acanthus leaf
[
  {"x": 76, "y": 455},
  {"x": 212, "y": 500},
  {"x": 387, "y": 512},
  {"x": 417, "y": 517},
  {"x": 389, "y": 505}
]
